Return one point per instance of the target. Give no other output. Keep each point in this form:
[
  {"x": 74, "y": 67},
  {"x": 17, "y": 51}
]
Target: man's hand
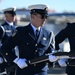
[
  {"x": 53, "y": 58},
  {"x": 21, "y": 62},
  {"x": 62, "y": 62}
]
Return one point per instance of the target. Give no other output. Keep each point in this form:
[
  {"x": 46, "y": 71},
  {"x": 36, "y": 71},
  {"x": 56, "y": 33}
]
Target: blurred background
[{"x": 60, "y": 12}]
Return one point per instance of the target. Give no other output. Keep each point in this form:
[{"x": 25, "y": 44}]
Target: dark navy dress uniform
[
  {"x": 5, "y": 32},
  {"x": 68, "y": 32},
  {"x": 29, "y": 48}
]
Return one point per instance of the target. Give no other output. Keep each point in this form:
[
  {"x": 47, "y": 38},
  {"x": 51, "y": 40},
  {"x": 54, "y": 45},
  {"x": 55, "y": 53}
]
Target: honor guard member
[
  {"x": 33, "y": 41},
  {"x": 68, "y": 32},
  {"x": 6, "y": 30}
]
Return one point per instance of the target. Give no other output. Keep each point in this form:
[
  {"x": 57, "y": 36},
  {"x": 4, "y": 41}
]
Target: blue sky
[{"x": 58, "y": 5}]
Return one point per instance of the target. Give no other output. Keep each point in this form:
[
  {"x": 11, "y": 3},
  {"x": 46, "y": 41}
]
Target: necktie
[
  {"x": 37, "y": 34},
  {"x": 11, "y": 27}
]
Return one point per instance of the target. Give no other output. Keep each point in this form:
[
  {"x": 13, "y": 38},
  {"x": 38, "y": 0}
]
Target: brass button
[
  {"x": 35, "y": 44},
  {"x": 6, "y": 54},
  {"x": 35, "y": 50}
]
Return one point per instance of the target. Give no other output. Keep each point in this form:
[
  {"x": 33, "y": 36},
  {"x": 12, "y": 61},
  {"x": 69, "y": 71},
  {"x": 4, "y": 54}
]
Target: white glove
[
  {"x": 20, "y": 62},
  {"x": 1, "y": 60},
  {"x": 53, "y": 58},
  {"x": 62, "y": 62}
]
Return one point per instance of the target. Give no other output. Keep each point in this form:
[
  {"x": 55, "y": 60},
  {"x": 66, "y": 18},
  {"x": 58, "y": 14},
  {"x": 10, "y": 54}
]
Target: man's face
[
  {"x": 39, "y": 20},
  {"x": 9, "y": 17}
]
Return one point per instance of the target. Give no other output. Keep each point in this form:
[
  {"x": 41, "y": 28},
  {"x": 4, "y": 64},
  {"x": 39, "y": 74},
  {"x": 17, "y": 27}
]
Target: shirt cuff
[{"x": 15, "y": 61}]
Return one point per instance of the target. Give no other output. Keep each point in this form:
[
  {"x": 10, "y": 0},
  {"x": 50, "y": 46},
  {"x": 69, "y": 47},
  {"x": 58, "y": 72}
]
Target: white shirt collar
[
  {"x": 10, "y": 23},
  {"x": 34, "y": 28}
]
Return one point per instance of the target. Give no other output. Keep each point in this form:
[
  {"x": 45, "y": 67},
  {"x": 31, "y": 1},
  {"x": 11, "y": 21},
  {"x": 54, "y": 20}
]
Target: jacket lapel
[
  {"x": 40, "y": 35},
  {"x": 31, "y": 32},
  {"x": 32, "y": 35}
]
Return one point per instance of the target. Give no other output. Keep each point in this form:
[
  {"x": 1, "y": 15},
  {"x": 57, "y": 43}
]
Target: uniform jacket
[
  {"x": 7, "y": 32},
  {"x": 68, "y": 32},
  {"x": 28, "y": 47}
]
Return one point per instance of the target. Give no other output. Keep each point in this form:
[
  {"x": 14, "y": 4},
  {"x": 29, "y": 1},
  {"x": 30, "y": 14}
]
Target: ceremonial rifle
[{"x": 67, "y": 55}]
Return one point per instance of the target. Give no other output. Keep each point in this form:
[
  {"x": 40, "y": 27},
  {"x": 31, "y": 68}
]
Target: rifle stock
[{"x": 39, "y": 59}]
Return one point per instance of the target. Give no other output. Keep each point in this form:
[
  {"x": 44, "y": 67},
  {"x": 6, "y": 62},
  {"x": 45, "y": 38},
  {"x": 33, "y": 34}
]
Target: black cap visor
[{"x": 43, "y": 13}]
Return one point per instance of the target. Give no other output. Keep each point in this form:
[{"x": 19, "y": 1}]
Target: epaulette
[
  {"x": 69, "y": 23},
  {"x": 73, "y": 23}
]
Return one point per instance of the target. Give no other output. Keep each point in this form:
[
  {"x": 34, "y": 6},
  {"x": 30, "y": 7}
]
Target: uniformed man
[
  {"x": 33, "y": 41},
  {"x": 68, "y": 32},
  {"x": 6, "y": 30}
]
